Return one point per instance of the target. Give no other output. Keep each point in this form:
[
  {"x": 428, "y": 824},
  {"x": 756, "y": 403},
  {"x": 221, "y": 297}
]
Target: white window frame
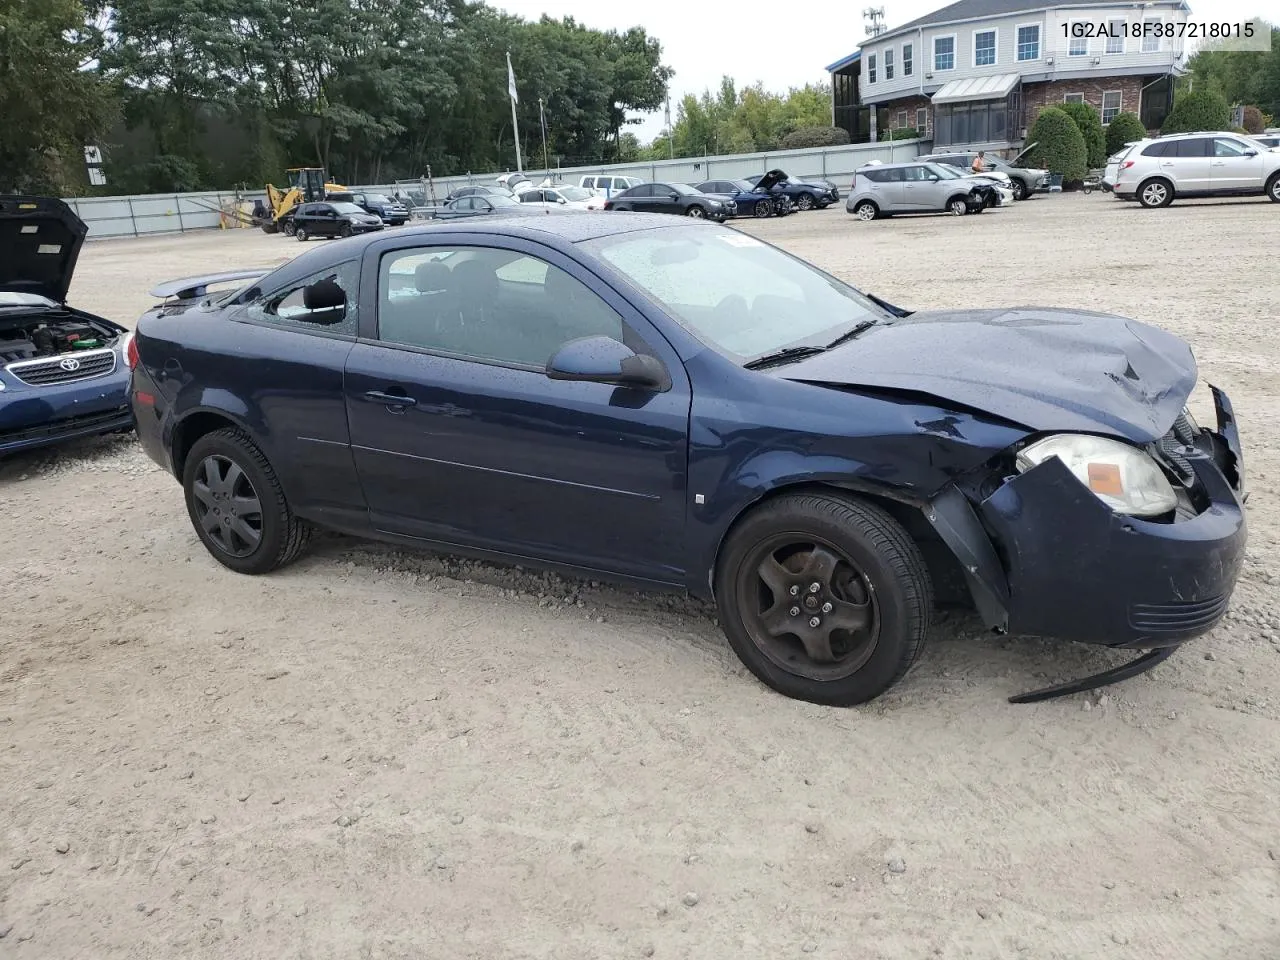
[
  {"x": 1017, "y": 43},
  {"x": 1150, "y": 38},
  {"x": 1119, "y": 106},
  {"x": 887, "y": 65},
  {"x": 1073, "y": 39},
  {"x": 871, "y": 68},
  {"x": 908, "y": 62},
  {"x": 955, "y": 53},
  {"x": 995, "y": 50},
  {"x": 1124, "y": 25},
  {"x": 922, "y": 119}
]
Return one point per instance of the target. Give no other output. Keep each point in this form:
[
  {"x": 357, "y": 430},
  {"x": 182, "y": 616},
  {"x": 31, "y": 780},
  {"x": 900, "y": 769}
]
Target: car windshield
[
  {"x": 739, "y": 295},
  {"x": 14, "y": 299},
  {"x": 377, "y": 198},
  {"x": 575, "y": 193},
  {"x": 342, "y": 208}
]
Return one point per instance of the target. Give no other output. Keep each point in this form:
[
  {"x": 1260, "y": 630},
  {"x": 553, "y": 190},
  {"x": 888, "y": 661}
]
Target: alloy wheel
[
  {"x": 958, "y": 207},
  {"x": 227, "y": 507},
  {"x": 1154, "y": 194},
  {"x": 1019, "y": 190},
  {"x": 865, "y": 211},
  {"x": 805, "y": 202},
  {"x": 808, "y": 608},
  {"x": 764, "y": 208},
  {"x": 697, "y": 212}
]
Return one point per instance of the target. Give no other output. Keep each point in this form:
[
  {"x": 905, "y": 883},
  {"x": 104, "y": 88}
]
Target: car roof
[{"x": 899, "y": 163}]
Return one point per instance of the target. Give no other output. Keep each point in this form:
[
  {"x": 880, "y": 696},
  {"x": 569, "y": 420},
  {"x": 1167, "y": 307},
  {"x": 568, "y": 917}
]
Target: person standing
[{"x": 979, "y": 163}]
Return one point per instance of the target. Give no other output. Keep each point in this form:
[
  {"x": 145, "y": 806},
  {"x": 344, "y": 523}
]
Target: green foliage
[
  {"x": 733, "y": 121},
  {"x": 1254, "y": 122},
  {"x": 1060, "y": 144},
  {"x": 1124, "y": 128},
  {"x": 50, "y": 108},
  {"x": 1090, "y": 124},
  {"x": 1197, "y": 110},
  {"x": 1239, "y": 76},
  {"x": 904, "y": 133},
  {"x": 814, "y": 137}
]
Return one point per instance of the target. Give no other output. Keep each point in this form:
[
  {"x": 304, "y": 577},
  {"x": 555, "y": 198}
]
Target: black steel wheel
[
  {"x": 824, "y": 598},
  {"x": 805, "y": 202},
  {"x": 764, "y": 208},
  {"x": 237, "y": 505}
]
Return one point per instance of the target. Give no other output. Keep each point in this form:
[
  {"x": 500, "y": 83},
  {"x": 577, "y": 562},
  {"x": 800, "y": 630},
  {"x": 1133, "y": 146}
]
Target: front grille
[
  {"x": 1181, "y": 434},
  {"x": 1177, "y": 617},
  {"x": 68, "y": 368}
]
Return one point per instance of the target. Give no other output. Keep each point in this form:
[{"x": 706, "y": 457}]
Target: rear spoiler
[{"x": 192, "y": 288}]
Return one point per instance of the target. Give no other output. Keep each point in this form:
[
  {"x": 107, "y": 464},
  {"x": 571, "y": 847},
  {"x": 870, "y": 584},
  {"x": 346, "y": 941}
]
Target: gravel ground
[{"x": 379, "y": 753}]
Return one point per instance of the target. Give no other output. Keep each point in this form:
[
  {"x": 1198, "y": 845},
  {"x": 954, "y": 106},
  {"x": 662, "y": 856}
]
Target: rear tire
[
  {"x": 230, "y": 458},
  {"x": 870, "y": 575},
  {"x": 866, "y": 210},
  {"x": 1156, "y": 192}
]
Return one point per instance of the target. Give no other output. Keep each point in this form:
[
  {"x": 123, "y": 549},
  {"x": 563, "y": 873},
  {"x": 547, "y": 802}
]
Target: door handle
[
  {"x": 1218, "y": 163},
  {"x": 390, "y": 399}
]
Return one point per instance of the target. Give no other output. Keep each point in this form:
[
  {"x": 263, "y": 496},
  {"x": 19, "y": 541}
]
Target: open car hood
[
  {"x": 40, "y": 241},
  {"x": 771, "y": 180},
  {"x": 1017, "y": 161},
  {"x": 1046, "y": 369}
]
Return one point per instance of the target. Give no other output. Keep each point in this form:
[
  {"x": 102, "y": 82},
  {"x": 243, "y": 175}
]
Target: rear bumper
[{"x": 1077, "y": 571}]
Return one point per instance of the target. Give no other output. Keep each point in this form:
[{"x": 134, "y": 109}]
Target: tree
[
  {"x": 52, "y": 105},
  {"x": 815, "y": 137},
  {"x": 1197, "y": 110},
  {"x": 1239, "y": 76},
  {"x": 1124, "y": 128},
  {"x": 1090, "y": 124},
  {"x": 1060, "y": 144},
  {"x": 1253, "y": 120}
]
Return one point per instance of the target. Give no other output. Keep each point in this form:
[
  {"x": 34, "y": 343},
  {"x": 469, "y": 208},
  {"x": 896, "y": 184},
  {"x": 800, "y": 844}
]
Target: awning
[{"x": 977, "y": 88}]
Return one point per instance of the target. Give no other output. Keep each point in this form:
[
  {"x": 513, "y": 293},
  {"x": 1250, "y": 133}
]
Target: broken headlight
[{"x": 1123, "y": 477}]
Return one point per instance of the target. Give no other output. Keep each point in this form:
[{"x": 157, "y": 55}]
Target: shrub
[
  {"x": 1197, "y": 110},
  {"x": 904, "y": 133},
  {"x": 1060, "y": 144},
  {"x": 1253, "y": 120},
  {"x": 814, "y": 137},
  {"x": 1090, "y": 124},
  {"x": 1125, "y": 128}
]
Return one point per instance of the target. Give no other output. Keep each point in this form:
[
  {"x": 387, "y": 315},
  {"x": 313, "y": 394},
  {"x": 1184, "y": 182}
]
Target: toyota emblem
[{"x": 69, "y": 364}]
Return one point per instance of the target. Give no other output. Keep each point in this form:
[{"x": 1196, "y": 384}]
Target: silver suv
[
  {"x": 1211, "y": 164},
  {"x": 915, "y": 187}
]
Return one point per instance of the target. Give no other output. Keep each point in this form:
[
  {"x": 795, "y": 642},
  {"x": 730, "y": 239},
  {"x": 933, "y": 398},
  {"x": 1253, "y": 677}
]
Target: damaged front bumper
[{"x": 1045, "y": 557}]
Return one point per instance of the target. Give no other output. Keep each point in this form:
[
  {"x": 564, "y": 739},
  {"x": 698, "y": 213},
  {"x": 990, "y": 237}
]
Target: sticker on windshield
[{"x": 741, "y": 240}]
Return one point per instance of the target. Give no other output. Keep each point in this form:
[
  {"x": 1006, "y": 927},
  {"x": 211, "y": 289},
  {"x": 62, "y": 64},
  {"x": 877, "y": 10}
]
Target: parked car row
[{"x": 1157, "y": 170}]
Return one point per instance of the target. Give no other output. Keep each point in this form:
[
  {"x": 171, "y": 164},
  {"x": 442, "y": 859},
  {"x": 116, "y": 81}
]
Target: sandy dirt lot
[{"x": 383, "y": 754}]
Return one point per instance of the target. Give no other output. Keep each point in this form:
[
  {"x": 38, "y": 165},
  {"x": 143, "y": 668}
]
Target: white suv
[
  {"x": 1213, "y": 164},
  {"x": 607, "y": 186}
]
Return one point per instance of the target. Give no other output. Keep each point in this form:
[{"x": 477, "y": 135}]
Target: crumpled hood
[
  {"x": 40, "y": 241},
  {"x": 1047, "y": 369}
]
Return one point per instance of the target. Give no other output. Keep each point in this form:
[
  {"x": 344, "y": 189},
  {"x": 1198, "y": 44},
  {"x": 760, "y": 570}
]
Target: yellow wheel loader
[{"x": 306, "y": 185}]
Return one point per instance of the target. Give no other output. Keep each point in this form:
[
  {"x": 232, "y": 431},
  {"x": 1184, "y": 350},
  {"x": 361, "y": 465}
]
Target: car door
[
  {"x": 641, "y": 199},
  {"x": 1189, "y": 167},
  {"x": 1235, "y": 166},
  {"x": 460, "y": 437},
  {"x": 918, "y": 192}
]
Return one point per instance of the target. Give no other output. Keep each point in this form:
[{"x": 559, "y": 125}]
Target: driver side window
[{"x": 309, "y": 303}]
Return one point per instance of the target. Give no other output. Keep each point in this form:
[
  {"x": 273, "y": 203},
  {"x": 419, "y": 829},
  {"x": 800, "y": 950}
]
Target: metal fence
[{"x": 170, "y": 213}]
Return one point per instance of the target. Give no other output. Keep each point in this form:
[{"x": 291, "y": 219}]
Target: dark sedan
[
  {"x": 678, "y": 198},
  {"x": 340, "y": 219},
  {"x": 485, "y": 205},
  {"x": 62, "y": 369},
  {"x": 687, "y": 406},
  {"x": 802, "y": 194},
  {"x": 751, "y": 199}
]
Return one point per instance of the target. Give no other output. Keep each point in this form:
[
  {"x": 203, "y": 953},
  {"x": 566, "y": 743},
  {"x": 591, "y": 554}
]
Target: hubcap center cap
[{"x": 811, "y": 602}]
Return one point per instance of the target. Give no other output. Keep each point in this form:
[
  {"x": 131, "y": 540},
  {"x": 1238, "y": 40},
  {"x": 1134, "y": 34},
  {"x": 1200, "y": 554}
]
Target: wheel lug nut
[
  {"x": 795, "y": 611},
  {"x": 815, "y": 622},
  {"x": 826, "y": 608},
  {"x": 795, "y": 590},
  {"x": 815, "y": 587}
]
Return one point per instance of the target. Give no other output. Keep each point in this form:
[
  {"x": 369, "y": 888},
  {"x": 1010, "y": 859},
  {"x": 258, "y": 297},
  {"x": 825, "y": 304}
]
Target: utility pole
[
  {"x": 542, "y": 121},
  {"x": 671, "y": 134}
]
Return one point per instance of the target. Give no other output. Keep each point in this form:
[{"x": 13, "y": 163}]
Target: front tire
[
  {"x": 958, "y": 206},
  {"x": 696, "y": 212},
  {"x": 764, "y": 209},
  {"x": 853, "y": 637},
  {"x": 237, "y": 505},
  {"x": 1273, "y": 188},
  {"x": 1155, "y": 193},
  {"x": 805, "y": 202},
  {"x": 1019, "y": 189},
  {"x": 301, "y": 235},
  {"x": 345, "y": 231}
]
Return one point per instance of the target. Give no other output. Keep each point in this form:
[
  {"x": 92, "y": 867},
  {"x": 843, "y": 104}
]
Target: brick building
[{"x": 975, "y": 73}]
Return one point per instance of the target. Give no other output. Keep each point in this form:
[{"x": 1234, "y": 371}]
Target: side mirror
[
  {"x": 673, "y": 196},
  {"x": 1251, "y": 153},
  {"x": 605, "y": 360},
  {"x": 933, "y": 178},
  {"x": 561, "y": 200}
]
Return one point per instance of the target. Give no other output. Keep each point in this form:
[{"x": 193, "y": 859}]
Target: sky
[{"x": 785, "y": 49}]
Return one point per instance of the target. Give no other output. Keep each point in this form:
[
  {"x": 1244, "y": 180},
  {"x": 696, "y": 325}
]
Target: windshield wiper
[
  {"x": 785, "y": 355},
  {"x": 848, "y": 335}
]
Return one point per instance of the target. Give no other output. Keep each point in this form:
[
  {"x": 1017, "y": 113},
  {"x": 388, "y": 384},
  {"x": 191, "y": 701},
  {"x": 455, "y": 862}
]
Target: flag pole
[
  {"x": 542, "y": 120},
  {"x": 515, "y": 124}
]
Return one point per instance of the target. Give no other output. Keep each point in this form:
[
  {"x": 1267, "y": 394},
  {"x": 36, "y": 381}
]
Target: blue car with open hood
[
  {"x": 62, "y": 370},
  {"x": 683, "y": 405}
]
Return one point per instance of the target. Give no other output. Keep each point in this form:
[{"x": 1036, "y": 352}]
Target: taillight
[
  {"x": 854, "y": 182},
  {"x": 131, "y": 351},
  {"x": 1126, "y": 165}
]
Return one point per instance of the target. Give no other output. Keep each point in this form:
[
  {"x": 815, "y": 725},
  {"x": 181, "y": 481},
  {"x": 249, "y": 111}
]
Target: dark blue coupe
[
  {"x": 680, "y": 404},
  {"x": 62, "y": 370}
]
